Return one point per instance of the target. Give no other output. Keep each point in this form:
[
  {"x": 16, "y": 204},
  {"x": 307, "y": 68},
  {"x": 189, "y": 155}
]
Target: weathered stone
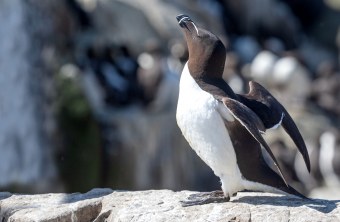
[{"x": 162, "y": 205}]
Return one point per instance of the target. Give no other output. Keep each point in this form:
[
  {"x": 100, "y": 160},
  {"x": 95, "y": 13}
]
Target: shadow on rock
[
  {"x": 95, "y": 193},
  {"x": 5, "y": 195},
  {"x": 324, "y": 206}
]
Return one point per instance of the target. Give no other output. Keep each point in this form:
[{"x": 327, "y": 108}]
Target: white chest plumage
[{"x": 199, "y": 118}]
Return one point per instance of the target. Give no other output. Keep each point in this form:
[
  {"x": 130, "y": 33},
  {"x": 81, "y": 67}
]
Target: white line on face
[
  {"x": 195, "y": 27},
  {"x": 191, "y": 23},
  {"x": 185, "y": 17}
]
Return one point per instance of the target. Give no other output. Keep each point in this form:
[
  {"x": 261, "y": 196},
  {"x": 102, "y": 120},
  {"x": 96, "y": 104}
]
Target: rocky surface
[
  {"x": 161, "y": 205},
  {"x": 51, "y": 140}
]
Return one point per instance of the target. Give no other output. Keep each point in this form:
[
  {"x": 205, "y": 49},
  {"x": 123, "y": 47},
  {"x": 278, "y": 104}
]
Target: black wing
[
  {"x": 252, "y": 123},
  {"x": 271, "y": 112}
]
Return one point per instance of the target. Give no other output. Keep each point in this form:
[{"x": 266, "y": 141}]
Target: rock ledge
[{"x": 161, "y": 205}]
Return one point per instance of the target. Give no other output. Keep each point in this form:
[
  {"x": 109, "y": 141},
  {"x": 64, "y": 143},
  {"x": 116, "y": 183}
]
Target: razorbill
[{"x": 225, "y": 128}]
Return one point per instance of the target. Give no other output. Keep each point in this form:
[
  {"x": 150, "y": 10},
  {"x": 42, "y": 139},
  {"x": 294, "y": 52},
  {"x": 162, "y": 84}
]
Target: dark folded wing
[
  {"x": 294, "y": 133},
  {"x": 270, "y": 111},
  {"x": 252, "y": 123}
]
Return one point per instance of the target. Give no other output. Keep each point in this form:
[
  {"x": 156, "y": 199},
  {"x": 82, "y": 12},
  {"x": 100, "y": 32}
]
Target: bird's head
[{"x": 206, "y": 51}]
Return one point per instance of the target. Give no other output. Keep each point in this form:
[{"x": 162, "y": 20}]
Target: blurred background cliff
[{"x": 88, "y": 90}]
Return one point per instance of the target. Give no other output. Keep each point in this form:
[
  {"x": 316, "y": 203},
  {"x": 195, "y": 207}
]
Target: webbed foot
[{"x": 205, "y": 198}]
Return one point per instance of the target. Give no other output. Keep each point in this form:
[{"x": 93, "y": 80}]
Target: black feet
[{"x": 205, "y": 198}]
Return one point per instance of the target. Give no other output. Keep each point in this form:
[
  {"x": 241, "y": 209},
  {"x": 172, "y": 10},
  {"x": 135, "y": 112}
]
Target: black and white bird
[{"x": 225, "y": 128}]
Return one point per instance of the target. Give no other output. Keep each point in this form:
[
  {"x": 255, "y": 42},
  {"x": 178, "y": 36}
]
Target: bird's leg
[{"x": 202, "y": 198}]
